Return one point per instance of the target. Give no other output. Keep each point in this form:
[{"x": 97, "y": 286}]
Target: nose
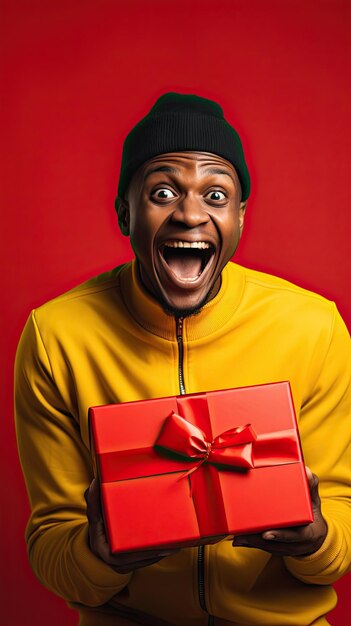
[{"x": 189, "y": 212}]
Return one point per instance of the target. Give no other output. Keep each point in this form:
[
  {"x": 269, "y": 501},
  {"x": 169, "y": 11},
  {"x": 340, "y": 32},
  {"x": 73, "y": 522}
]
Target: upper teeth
[{"x": 187, "y": 244}]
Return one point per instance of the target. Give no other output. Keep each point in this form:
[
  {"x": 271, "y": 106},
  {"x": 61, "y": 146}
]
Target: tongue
[{"x": 184, "y": 263}]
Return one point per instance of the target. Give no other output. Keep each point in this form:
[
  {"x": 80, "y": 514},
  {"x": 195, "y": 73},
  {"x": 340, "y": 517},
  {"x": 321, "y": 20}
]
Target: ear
[
  {"x": 242, "y": 209},
  {"x": 123, "y": 216}
]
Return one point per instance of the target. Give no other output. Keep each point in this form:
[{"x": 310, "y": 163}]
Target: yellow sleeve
[
  {"x": 325, "y": 429},
  {"x": 57, "y": 470}
]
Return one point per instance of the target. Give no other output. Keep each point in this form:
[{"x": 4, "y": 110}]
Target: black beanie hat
[{"x": 180, "y": 123}]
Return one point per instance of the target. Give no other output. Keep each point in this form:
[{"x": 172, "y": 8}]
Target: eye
[
  {"x": 162, "y": 194},
  {"x": 215, "y": 196}
]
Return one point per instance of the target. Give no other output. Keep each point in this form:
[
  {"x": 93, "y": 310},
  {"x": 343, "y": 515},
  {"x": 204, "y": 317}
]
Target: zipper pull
[{"x": 179, "y": 330}]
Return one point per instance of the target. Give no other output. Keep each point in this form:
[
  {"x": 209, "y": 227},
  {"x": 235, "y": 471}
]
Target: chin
[
  {"x": 184, "y": 311},
  {"x": 186, "y": 307}
]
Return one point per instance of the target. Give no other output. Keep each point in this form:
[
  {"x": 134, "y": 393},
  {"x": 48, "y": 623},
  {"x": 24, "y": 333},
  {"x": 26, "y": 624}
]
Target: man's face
[{"x": 184, "y": 217}]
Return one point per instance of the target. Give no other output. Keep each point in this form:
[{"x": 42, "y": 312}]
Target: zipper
[
  {"x": 201, "y": 549},
  {"x": 179, "y": 322},
  {"x": 201, "y": 577}
]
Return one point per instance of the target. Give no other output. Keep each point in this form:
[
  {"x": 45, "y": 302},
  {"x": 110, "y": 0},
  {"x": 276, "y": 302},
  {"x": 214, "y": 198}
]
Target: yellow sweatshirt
[{"x": 108, "y": 341}]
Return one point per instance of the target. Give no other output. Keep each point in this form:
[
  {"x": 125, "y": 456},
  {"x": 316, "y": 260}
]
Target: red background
[{"x": 77, "y": 75}]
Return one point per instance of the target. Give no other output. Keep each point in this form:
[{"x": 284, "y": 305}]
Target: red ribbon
[{"x": 232, "y": 447}]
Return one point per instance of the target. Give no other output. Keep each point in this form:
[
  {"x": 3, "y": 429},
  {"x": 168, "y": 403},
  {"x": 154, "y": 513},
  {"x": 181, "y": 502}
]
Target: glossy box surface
[{"x": 183, "y": 470}]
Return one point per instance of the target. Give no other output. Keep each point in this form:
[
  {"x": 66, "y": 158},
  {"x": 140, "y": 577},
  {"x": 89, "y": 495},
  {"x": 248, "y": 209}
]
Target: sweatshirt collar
[{"x": 212, "y": 317}]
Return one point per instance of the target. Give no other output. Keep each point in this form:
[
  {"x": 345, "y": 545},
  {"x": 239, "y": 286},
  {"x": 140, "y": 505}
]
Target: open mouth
[{"x": 187, "y": 260}]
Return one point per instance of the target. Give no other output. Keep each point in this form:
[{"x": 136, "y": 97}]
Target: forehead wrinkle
[
  {"x": 207, "y": 171},
  {"x": 216, "y": 170},
  {"x": 161, "y": 168}
]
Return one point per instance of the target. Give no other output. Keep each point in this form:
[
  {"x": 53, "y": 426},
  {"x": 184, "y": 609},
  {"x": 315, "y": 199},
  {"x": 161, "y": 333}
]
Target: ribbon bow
[{"x": 232, "y": 447}]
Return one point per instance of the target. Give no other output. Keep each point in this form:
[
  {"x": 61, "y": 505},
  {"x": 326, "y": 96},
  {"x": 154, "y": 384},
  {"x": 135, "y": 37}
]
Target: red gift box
[{"x": 183, "y": 470}]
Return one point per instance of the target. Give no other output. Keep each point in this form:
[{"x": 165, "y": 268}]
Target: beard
[
  {"x": 176, "y": 311},
  {"x": 187, "y": 312}
]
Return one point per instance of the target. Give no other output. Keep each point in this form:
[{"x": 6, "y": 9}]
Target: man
[{"x": 181, "y": 319}]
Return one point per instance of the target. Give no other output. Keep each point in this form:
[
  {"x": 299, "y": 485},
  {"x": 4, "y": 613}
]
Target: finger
[
  {"x": 309, "y": 474},
  {"x": 146, "y": 555},
  {"x": 97, "y": 536},
  {"x": 280, "y": 548},
  {"x": 130, "y": 561},
  {"x": 126, "y": 569},
  {"x": 288, "y": 535},
  {"x": 297, "y": 534},
  {"x": 313, "y": 483},
  {"x": 247, "y": 541},
  {"x": 94, "y": 511},
  {"x": 256, "y": 541}
]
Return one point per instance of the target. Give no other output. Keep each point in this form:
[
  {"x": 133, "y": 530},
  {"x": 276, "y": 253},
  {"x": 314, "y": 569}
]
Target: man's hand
[
  {"x": 294, "y": 541},
  {"x": 121, "y": 563}
]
